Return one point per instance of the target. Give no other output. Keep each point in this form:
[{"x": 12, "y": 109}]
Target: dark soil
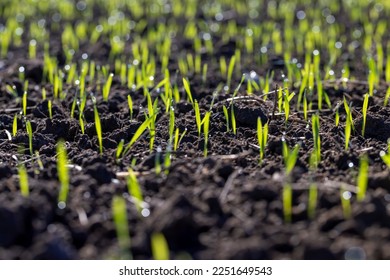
[{"x": 223, "y": 206}]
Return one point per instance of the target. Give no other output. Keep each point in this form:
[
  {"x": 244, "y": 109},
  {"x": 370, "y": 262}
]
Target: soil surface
[{"x": 227, "y": 205}]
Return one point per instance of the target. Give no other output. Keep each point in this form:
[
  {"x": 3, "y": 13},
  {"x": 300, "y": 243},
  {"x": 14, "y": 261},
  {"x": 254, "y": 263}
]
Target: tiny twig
[{"x": 228, "y": 185}]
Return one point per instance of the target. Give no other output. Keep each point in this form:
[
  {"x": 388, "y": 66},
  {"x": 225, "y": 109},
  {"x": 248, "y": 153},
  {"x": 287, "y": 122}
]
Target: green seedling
[
  {"x": 107, "y": 87},
  {"x": 287, "y": 202},
  {"x": 73, "y": 108},
  {"x": 290, "y": 158},
  {"x": 141, "y": 129},
  {"x": 119, "y": 149},
  {"x": 364, "y": 112},
  {"x": 188, "y": 90},
  {"x": 204, "y": 73},
  {"x": 386, "y": 155},
  {"x": 262, "y": 137},
  {"x": 62, "y": 170},
  {"x": 119, "y": 214},
  {"x": 206, "y": 121},
  {"x": 98, "y": 128},
  {"x": 157, "y": 161},
  {"x": 178, "y": 139},
  {"x": 312, "y": 201},
  {"x": 50, "y": 109},
  {"x": 345, "y": 197},
  {"x": 160, "y": 249},
  {"x": 24, "y": 103},
  {"x": 134, "y": 189},
  {"x": 167, "y": 159},
  {"x": 230, "y": 71},
  {"x": 372, "y": 76},
  {"x": 15, "y": 125},
  {"x": 315, "y": 120},
  {"x": 171, "y": 128},
  {"x": 198, "y": 120},
  {"x": 11, "y": 90},
  {"x": 348, "y": 124},
  {"x": 223, "y": 66},
  {"x": 30, "y": 136},
  {"x": 337, "y": 117},
  {"x": 233, "y": 120},
  {"x": 23, "y": 181},
  {"x": 226, "y": 114},
  {"x": 305, "y": 106},
  {"x": 362, "y": 179}
]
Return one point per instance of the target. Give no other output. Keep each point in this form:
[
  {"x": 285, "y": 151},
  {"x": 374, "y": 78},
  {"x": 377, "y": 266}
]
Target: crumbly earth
[{"x": 227, "y": 205}]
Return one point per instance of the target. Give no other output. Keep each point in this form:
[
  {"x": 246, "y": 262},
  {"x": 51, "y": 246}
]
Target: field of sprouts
[{"x": 185, "y": 129}]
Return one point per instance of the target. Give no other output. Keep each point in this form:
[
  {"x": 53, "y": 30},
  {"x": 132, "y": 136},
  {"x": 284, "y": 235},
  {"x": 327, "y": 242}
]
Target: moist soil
[{"x": 227, "y": 205}]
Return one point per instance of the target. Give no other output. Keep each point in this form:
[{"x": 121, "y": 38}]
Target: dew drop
[
  {"x": 61, "y": 205},
  {"x": 355, "y": 253},
  {"x": 347, "y": 195},
  {"x": 330, "y": 19},
  {"x": 301, "y": 15},
  {"x": 145, "y": 212}
]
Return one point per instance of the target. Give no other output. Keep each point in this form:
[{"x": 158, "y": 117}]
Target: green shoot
[
  {"x": 119, "y": 149},
  {"x": 362, "y": 179},
  {"x": 188, "y": 90},
  {"x": 107, "y": 87},
  {"x": 171, "y": 124},
  {"x": 24, "y": 103},
  {"x": 233, "y": 120},
  {"x": 305, "y": 106},
  {"x": 119, "y": 214},
  {"x": 386, "y": 156},
  {"x": 50, "y": 109},
  {"x": 157, "y": 161},
  {"x": 30, "y": 136},
  {"x": 73, "y": 107},
  {"x": 287, "y": 202},
  {"x": 230, "y": 70},
  {"x": 364, "y": 109},
  {"x": 223, "y": 65},
  {"x": 138, "y": 133},
  {"x": 23, "y": 181},
  {"x": 348, "y": 125},
  {"x": 206, "y": 121},
  {"x": 178, "y": 139},
  {"x": 160, "y": 249},
  {"x": 262, "y": 137},
  {"x": 337, "y": 117},
  {"x": 204, "y": 73},
  {"x": 312, "y": 203},
  {"x": 15, "y": 125},
  {"x": 62, "y": 170},
  {"x": 98, "y": 128},
  {"x": 316, "y": 138},
  {"x": 134, "y": 189},
  {"x": 197, "y": 117},
  {"x": 345, "y": 197},
  {"x": 226, "y": 114},
  {"x": 290, "y": 157}
]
